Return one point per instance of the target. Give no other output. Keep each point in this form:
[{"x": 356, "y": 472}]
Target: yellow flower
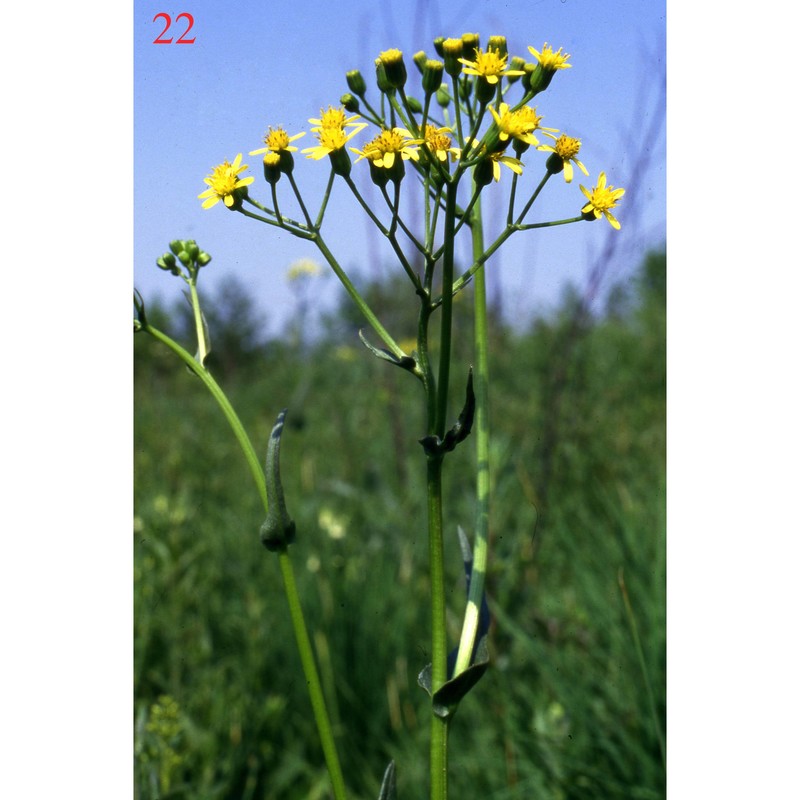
[
  {"x": 303, "y": 267},
  {"x": 276, "y": 141},
  {"x": 550, "y": 60},
  {"x": 439, "y": 143},
  {"x": 490, "y": 65},
  {"x": 601, "y": 199},
  {"x": 330, "y": 140},
  {"x": 223, "y": 181},
  {"x": 514, "y": 164},
  {"x": 488, "y": 167},
  {"x": 387, "y": 145},
  {"x": 335, "y": 118},
  {"x": 567, "y": 150},
  {"x": 519, "y": 124}
]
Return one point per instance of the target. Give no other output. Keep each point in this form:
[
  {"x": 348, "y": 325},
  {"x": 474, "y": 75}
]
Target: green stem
[
  {"x": 447, "y": 309},
  {"x": 439, "y": 725},
  {"x": 324, "y": 728},
  {"x": 480, "y": 383}
]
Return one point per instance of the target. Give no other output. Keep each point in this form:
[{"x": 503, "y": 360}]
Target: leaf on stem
[
  {"x": 433, "y": 445},
  {"x": 449, "y": 695},
  {"x": 389, "y": 785},
  {"x": 405, "y": 362},
  {"x": 278, "y": 529}
]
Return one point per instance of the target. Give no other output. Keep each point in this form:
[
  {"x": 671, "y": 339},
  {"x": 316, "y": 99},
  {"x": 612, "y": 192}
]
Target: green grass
[{"x": 578, "y": 467}]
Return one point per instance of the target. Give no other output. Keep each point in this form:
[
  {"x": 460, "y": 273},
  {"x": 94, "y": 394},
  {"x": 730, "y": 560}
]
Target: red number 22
[{"x": 182, "y": 40}]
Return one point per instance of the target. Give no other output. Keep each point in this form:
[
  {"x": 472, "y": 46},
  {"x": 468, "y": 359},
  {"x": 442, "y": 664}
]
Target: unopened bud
[
  {"x": 356, "y": 82},
  {"x": 350, "y": 103}
]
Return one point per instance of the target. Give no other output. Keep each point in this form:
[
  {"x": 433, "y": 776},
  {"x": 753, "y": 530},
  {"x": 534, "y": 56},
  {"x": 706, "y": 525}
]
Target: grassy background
[{"x": 570, "y": 707}]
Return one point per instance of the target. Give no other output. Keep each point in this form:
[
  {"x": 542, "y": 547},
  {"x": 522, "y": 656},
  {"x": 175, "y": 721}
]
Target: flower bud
[
  {"x": 432, "y": 76},
  {"x": 384, "y": 85},
  {"x": 272, "y": 167},
  {"x": 414, "y": 104},
  {"x": 536, "y": 78},
  {"x": 443, "y": 97},
  {"x": 438, "y": 46},
  {"x": 420, "y": 59},
  {"x": 176, "y": 246},
  {"x": 356, "y": 82},
  {"x": 453, "y": 49},
  {"x": 394, "y": 67},
  {"x": 471, "y": 43},
  {"x": 516, "y": 64},
  {"x": 350, "y": 103},
  {"x": 499, "y": 44},
  {"x": 203, "y": 258},
  {"x": 192, "y": 249},
  {"x": 185, "y": 258},
  {"x": 167, "y": 262}
]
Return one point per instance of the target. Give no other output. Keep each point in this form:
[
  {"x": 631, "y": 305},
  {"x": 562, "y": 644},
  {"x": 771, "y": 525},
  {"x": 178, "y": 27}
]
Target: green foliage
[{"x": 578, "y": 470}]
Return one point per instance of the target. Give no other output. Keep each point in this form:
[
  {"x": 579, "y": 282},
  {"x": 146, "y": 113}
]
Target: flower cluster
[{"x": 466, "y": 125}]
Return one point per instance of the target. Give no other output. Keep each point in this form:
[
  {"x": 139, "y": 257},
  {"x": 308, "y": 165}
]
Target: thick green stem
[
  {"x": 438, "y": 762},
  {"x": 447, "y": 309},
  {"x": 313, "y": 683},
  {"x": 480, "y": 384}
]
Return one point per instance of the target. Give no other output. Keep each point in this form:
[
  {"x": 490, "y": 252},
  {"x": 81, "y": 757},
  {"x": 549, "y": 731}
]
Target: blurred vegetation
[{"x": 569, "y": 708}]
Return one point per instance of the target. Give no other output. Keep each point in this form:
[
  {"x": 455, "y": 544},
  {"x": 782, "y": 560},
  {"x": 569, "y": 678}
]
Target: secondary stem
[{"x": 324, "y": 728}]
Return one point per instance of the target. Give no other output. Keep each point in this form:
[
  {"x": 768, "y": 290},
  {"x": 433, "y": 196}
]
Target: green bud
[
  {"x": 185, "y": 258},
  {"x": 192, "y": 249},
  {"x": 350, "y": 103},
  {"x": 432, "y": 76},
  {"x": 384, "y": 86},
  {"x": 453, "y": 50},
  {"x": 516, "y": 64},
  {"x": 498, "y": 44},
  {"x": 472, "y": 42},
  {"x": 356, "y": 82},
  {"x": 203, "y": 258},
  {"x": 394, "y": 67},
  {"x": 420, "y": 59},
  {"x": 272, "y": 167},
  {"x": 443, "y": 97},
  {"x": 167, "y": 262},
  {"x": 176, "y": 246},
  {"x": 438, "y": 46},
  {"x": 414, "y": 104}
]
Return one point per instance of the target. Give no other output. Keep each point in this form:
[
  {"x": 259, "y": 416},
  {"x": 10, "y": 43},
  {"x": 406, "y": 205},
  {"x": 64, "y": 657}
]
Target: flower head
[
  {"x": 277, "y": 141},
  {"x": 335, "y": 118},
  {"x": 387, "y": 145},
  {"x": 490, "y": 65},
  {"x": 550, "y": 60},
  {"x": 223, "y": 182},
  {"x": 440, "y": 144},
  {"x": 519, "y": 124},
  {"x": 566, "y": 149},
  {"x": 601, "y": 200},
  {"x": 330, "y": 141}
]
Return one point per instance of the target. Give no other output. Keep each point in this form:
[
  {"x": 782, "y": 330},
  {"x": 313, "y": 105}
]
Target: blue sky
[{"x": 199, "y": 104}]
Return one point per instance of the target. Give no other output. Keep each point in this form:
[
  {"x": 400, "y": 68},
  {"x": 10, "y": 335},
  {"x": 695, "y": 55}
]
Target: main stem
[{"x": 439, "y": 725}]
